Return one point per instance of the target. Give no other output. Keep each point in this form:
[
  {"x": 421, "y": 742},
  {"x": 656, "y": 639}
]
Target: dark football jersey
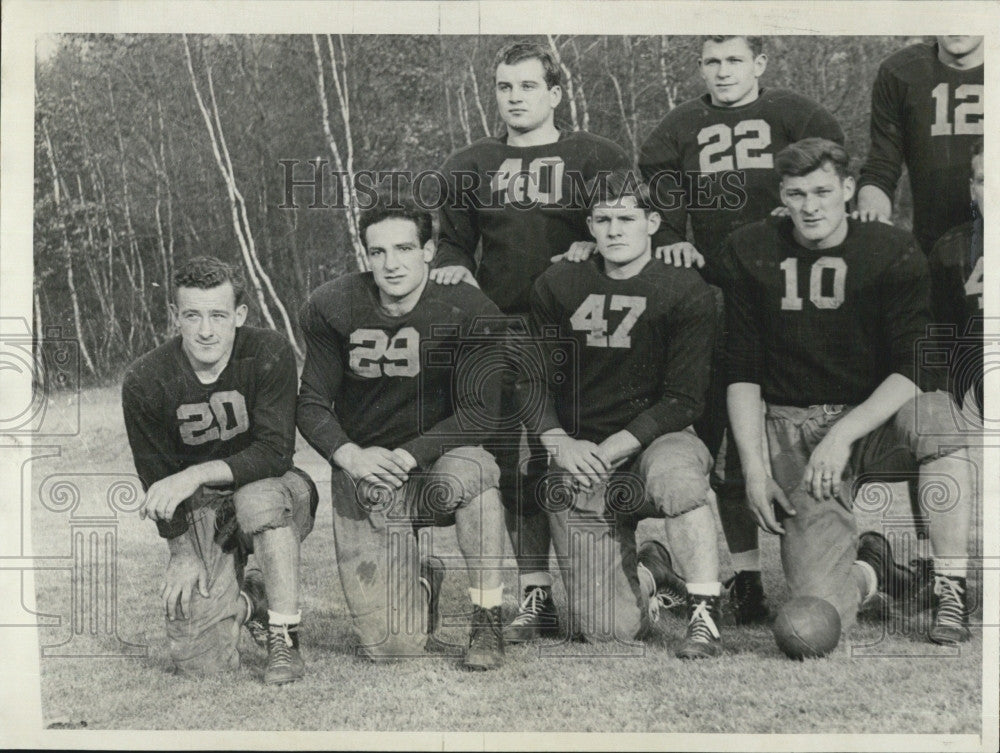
[
  {"x": 927, "y": 115},
  {"x": 396, "y": 381},
  {"x": 956, "y": 265},
  {"x": 823, "y": 326},
  {"x": 643, "y": 347},
  {"x": 524, "y": 203},
  {"x": 245, "y": 418},
  {"x": 724, "y": 157}
]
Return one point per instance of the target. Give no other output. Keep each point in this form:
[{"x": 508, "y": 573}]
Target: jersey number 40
[{"x": 590, "y": 318}]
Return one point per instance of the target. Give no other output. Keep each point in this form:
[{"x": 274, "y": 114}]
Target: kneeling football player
[
  {"x": 376, "y": 402},
  {"x": 823, "y": 317},
  {"x": 210, "y": 417},
  {"x": 619, "y": 436}
]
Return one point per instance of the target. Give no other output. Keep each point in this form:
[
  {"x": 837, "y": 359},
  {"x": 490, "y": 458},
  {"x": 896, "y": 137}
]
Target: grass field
[{"x": 884, "y": 677}]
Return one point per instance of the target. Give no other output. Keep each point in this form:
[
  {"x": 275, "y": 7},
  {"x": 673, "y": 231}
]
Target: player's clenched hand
[
  {"x": 453, "y": 275},
  {"x": 373, "y": 464},
  {"x": 681, "y": 254},
  {"x": 763, "y": 493},
  {"x": 870, "y": 215},
  {"x": 781, "y": 211},
  {"x": 826, "y": 466},
  {"x": 583, "y": 460},
  {"x": 579, "y": 251},
  {"x": 185, "y": 573},
  {"x": 165, "y": 495}
]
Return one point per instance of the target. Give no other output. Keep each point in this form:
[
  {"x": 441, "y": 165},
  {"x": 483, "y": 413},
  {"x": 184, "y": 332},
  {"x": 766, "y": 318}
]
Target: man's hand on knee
[
  {"x": 763, "y": 493},
  {"x": 185, "y": 573}
]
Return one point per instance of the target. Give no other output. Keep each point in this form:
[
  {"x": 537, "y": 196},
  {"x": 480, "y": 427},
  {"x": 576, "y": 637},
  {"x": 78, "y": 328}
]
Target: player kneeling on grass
[
  {"x": 823, "y": 315},
  {"x": 381, "y": 401},
  {"x": 621, "y": 443},
  {"x": 211, "y": 422}
]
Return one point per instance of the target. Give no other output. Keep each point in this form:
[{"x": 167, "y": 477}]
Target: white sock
[
  {"x": 540, "y": 579},
  {"x": 708, "y": 588},
  {"x": 646, "y": 582},
  {"x": 246, "y": 598},
  {"x": 746, "y": 560},
  {"x": 277, "y": 618},
  {"x": 487, "y": 597},
  {"x": 953, "y": 567},
  {"x": 870, "y": 578}
]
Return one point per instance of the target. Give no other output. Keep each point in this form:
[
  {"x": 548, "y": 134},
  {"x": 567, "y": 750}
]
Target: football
[{"x": 807, "y": 628}]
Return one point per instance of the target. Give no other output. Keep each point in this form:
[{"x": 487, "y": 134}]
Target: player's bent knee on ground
[
  {"x": 458, "y": 477},
  {"x": 928, "y": 424},
  {"x": 674, "y": 469}
]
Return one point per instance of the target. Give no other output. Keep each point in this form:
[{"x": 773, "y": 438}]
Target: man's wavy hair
[
  {"x": 515, "y": 52},
  {"x": 756, "y": 44},
  {"x": 206, "y": 272},
  {"x": 402, "y": 207},
  {"x": 612, "y": 187},
  {"x": 807, "y": 155}
]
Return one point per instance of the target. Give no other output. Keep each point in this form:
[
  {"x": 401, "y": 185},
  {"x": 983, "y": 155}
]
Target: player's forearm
[
  {"x": 619, "y": 446},
  {"x": 880, "y": 406},
  {"x": 319, "y": 426},
  {"x": 744, "y": 403},
  {"x": 672, "y": 413}
]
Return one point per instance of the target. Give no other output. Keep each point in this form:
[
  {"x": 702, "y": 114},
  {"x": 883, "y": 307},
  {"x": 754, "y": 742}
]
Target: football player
[
  {"x": 516, "y": 195},
  {"x": 210, "y": 416},
  {"x": 711, "y": 160},
  {"x": 403, "y": 436},
  {"x": 927, "y": 112},
  {"x": 620, "y": 440},
  {"x": 956, "y": 265},
  {"x": 824, "y": 313}
]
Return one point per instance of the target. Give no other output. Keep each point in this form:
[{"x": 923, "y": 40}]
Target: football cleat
[
  {"x": 671, "y": 591},
  {"x": 256, "y": 595},
  {"x": 746, "y": 598},
  {"x": 898, "y": 581},
  {"x": 432, "y": 571},
  {"x": 951, "y": 615},
  {"x": 536, "y": 617},
  {"x": 702, "y": 639},
  {"x": 485, "y": 639},
  {"x": 284, "y": 662}
]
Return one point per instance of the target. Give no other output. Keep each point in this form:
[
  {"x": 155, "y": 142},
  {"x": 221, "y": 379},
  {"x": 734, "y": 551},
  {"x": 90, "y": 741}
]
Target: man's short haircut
[
  {"x": 611, "y": 188},
  {"x": 977, "y": 149},
  {"x": 206, "y": 272},
  {"x": 515, "y": 52},
  {"x": 756, "y": 44},
  {"x": 807, "y": 155},
  {"x": 387, "y": 207}
]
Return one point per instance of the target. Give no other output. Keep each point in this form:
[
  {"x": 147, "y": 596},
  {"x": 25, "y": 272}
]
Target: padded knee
[
  {"x": 262, "y": 505},
  {"x": 929, "y": 423},
  {"x": 460, "y": 476}
]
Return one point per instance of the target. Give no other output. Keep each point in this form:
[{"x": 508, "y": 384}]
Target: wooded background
[{"x": 153, "y": 148}]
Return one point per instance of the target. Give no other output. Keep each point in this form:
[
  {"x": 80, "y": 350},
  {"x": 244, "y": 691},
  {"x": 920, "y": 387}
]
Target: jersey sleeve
[
  {"x": 148, "y": 440},
  {"x": 544, "y": 312},
  {"x": 661, "y": 166},
  {"x": 321, "y": 377},
  {"x": 272, "y": 421},
  {"x": 458, "y": 232},
  {"x": 823, "y": 125},
  {"x": 473, "y": 398},
  {"x": 744, "y": 347},
  {"x": 906, "y": 292},
  {"x": 685, "y": 381},
  {"x": 885, "y": 156}
]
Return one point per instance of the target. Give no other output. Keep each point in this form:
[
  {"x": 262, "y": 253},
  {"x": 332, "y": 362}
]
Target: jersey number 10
[{"x": 791, "y": 300}]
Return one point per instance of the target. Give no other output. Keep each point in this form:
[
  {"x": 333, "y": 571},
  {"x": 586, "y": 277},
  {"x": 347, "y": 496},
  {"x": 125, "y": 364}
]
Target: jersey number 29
[{"x": 401, "y": 353}]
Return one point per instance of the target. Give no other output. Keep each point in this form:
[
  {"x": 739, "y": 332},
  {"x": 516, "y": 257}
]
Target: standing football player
[
  {"x": 957, "y": 267},
  {"x": 517, "y": 196},
  {"x": 644, "y": 334},
  {"x": 376, "y": 404},
  {"x": 824, "y": 313},
  {"x": 210, "y": 416},
  {"x": 711, "y": 160},
  {"x": 927, "y": 112}
]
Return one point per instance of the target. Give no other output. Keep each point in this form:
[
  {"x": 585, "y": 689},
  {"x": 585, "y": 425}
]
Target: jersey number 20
[
  {"x": 401, "y": 353},
  {"x": 228, "y": 408},
  {"x": 589, "y": 318}
]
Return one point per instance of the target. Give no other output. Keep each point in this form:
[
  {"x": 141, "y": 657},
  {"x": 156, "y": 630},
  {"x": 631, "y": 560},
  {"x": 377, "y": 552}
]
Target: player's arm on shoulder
[
  {"x": 662, "y": 167},
  {"x": 321, "y": 378},
  {"x": 884, "y": 165},
  {"x": 458, "y": 234},
  {"x": 272, "y": 416}
]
